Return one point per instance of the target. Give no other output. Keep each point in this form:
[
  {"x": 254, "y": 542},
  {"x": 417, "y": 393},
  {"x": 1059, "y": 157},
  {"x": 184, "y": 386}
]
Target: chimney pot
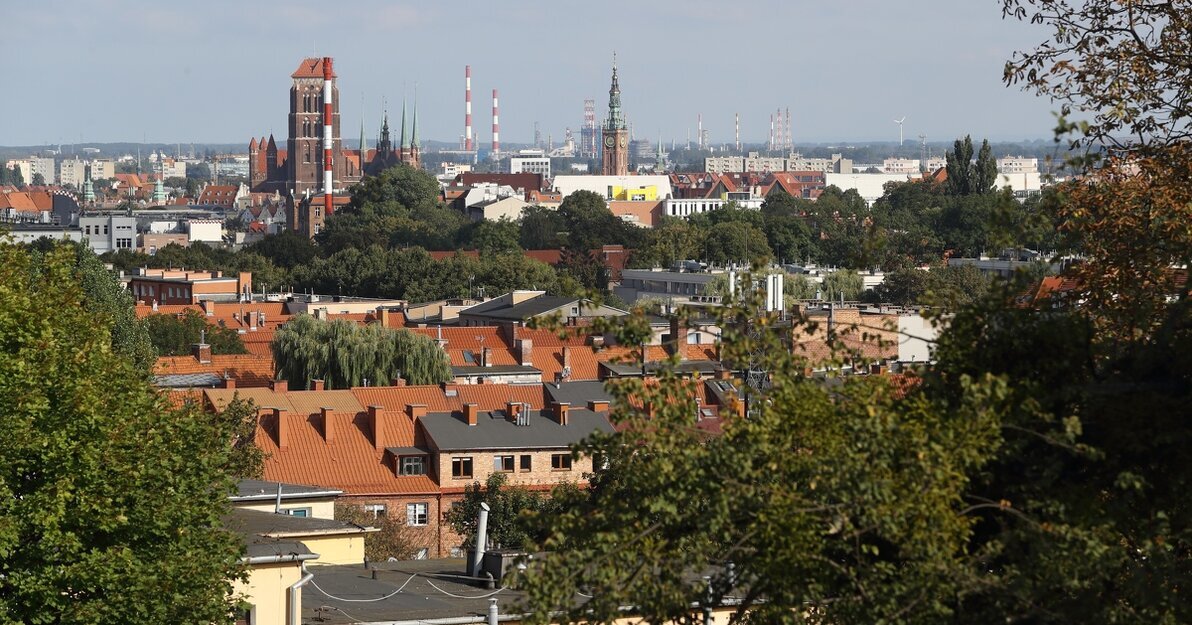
[
  {"x": 471, "y": 413},
  {"x": 525, "y": 352},
  {"x": 566, "y": 357},
  {"x": 279, "y": 386},
  {"x": 229, "y": 382},
  {"x": 486, "y": 357},
  {"x": 598, "y": 405},
  {"x": 316, "y": 385}
]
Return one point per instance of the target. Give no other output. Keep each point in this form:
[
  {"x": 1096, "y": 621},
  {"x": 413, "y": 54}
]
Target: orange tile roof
[
  {"x": 19, "y": 201},
  {"x": 472, "y": 337},
  {"x": 311, "y": 68},
  {"x": 247, "y": 369}
]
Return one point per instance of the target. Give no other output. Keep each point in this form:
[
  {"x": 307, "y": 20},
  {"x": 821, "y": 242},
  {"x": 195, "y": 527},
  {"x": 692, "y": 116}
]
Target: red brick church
[{"x": 297, "y": 170}]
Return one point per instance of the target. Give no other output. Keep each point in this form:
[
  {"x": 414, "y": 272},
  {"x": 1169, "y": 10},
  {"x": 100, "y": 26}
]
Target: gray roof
[
  {"x": 188, "y": 380},
  {"x": 266, "y": 547},
  {"x": 578, "y": 394},
  {"x": 255, "y": 524},
  {"x": 687, "y": 366},
  {"x": 500, "y": 309},
  {"x": 254, "y": 490},
  {"x": 493, "y": 430},
  {"x": 495, "y": 370}
]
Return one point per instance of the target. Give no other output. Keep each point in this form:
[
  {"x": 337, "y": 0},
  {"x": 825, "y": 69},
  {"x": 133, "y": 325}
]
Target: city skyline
[{"x": 171, "y": 78}]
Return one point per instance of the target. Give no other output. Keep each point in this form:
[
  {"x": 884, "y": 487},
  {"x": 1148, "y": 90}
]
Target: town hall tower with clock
[{"x": 614, "y": 160}]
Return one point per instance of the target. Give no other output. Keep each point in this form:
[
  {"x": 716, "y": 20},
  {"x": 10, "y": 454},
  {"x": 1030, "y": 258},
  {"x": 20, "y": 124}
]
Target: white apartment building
[
  {"x": 109, "y": 232},
  {"x": 72, "y": 172},
  {"x": 1017, "y": 165},
  {"x": 688, "y": 207},
  {"x": 835, "y": 165},
  {"x": 530, "y": 162},
  {"x": 936, "y": 163},
  {"x": 103, "y": 169},
  {"x": 900, "y": 166},
  {"x": 756, "y": 162}
]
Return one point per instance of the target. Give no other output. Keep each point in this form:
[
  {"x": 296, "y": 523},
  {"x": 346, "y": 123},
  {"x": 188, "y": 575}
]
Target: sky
[{"x": 218, "y": 71}]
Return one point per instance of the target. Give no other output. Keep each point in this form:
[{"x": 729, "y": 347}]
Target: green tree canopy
[
  {"x": 173, "y": 335},
  {"x": 110, "y": 500},
  {"x": 515, "y": 512},
  {"x": 344, "y": 354}
]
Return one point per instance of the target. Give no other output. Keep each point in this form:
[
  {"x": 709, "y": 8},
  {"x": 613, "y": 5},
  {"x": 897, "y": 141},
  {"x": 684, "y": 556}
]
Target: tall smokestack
[
  {"x": 737, "y": 130},
  {"x": 468, "y": 108},
  {"x": 327, "y": 111},
  {"x": 790, "y": 139},
  {"x": 771, "y": 131},
  {"x": 496, "y": 127},
  {"x": 699, "y": 133},
  {"x": 781, "y": 139}
]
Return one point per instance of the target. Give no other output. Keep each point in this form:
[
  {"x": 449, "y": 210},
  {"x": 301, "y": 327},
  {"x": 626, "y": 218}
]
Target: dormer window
[{"x": 413, "y": 465}]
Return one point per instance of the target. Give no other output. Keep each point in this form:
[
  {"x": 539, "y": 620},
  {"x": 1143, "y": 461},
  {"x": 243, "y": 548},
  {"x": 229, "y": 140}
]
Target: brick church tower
[
  {"x": 304, "y": 162},
  {"x": 614, "y": 157}
]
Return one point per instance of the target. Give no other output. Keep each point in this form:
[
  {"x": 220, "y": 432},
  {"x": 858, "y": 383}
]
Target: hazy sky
[{"x": 218, "y": 70}]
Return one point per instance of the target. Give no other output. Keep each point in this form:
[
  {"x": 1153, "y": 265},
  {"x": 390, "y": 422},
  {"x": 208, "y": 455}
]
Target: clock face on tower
[
  {"x": 609, "y": 141},
  {"x": 622, "y": 141}
]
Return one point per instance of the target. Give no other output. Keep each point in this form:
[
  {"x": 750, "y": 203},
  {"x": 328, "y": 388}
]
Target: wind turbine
[{"x": 899, "y": 122}]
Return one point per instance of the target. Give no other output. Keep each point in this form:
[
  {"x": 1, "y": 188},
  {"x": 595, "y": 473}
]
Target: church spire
[
  {"x": 405, "y": 130},
  {"x": 363, "y": 145},
  {"x": 660, "y": 162},
  {"x": 616, "y": 120},
  {"x": 414, "y": 141}
]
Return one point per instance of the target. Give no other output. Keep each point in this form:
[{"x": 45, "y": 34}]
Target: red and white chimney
[
  {"x": 468, "y": 108},
  {"x": 496, "y": 127},
  {"x": 327, "y": 131}
]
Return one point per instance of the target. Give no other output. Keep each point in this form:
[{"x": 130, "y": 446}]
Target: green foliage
[
  {"x": 207, "y": 257},
  {"x": 736, "y": 242},
  {"x": 392, "y": 541},
  {"x": 672, "y": 240},
  {"x": 38, "y": 180},
  {"x": 173, "y": 335},
  {"x": 399, "y": 207},
  {"x": 493, "y": 237},
  {"x": 946, "y": 287},
  {"x": 344, "y": 354},
  {"x": 286, "y": 249},
  {"x": 515, "y": 512},
  {"x": 238, "y": 420},
  {"x": 110, "y": 501},
  {"x": 104, "y": 297},
  {"x": 843, "y": 283},
  {"x": 542, "y": 229},
  {"x": 966, "y": 177},
  {"x": 590, "y": 224},
  {"x": 831, "y": 503}
]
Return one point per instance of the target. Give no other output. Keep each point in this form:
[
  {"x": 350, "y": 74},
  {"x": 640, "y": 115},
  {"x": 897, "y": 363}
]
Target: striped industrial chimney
[
  {"x": 327, "y": 131},
  {"x": 496, "y": 127},
  {"x": 468, "y": 108}
]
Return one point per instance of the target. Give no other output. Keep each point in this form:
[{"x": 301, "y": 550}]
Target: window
[
  {"x": 413, "y": 465},
  {"x": 503, "y": 464},
  {"x": 560, "y": 462},
  {"x": 461, "y": 467},
  {"x": 416, "y": 514},
  {"x": 525, "y": 462},
  {"x": 105, "y": 228},
  {"x": 302, "y": 512},
  {"x": 375, "y": 510}
]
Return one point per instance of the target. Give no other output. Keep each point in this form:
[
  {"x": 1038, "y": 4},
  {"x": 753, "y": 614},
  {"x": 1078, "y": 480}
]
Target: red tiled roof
[
  {"x": 247, "y": 369},
  {"x": 19, "y": 201},
  {"x": 311, "y": 68}
]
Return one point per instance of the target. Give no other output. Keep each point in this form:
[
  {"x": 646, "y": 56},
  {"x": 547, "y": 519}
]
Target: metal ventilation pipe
[{"x": 481, "y": 540}]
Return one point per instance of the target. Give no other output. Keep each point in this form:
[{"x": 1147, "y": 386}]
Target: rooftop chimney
[
  {"x": 525, "y": 352},
  {"x": 598, "y": 405},
  {"x": 566, "y": 357},
  {"x": 561, "y": 410},
  {"x": 471, "y": 413},
  {"x": 513, "y": 410},
  {"x": 229, "y": 381},
  {"x": 279, "y": 386},
  {"x": 678, "y": 337},
  {"x": 486, "y": 357},
  {"x": 208, "y": 307},
  {"x": 328, "y": 424},
  {"x": 316, "y": 385},
  {"x": 201, "y": 352},
  {"x": 415, "y": 411},
  {"x": 376, "y": 417},
  {"x": 283, "y": 435}
]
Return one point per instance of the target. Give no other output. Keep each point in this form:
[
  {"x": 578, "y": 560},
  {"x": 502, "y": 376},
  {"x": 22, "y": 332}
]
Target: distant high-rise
[
  {"x": 589, "y": 137},
  {"x": 615, "y": 154}
]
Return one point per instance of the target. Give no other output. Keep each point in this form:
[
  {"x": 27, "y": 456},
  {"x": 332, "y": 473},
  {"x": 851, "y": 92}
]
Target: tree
[
  {"x": 1119, "y": 63},
  {"x": 541, "y": 229},
  {"x": 736, "y": 242},
  {"x": 843, "y": 284},
  {"x": 344, "y": 354},
  {"x": 392, "y": 541},
  {"x": 110, "y": 499},
  {"x": 966, "y": 177},
  {"x": 173, "y": 335},
  {"x": 831, "y": 503},
  {"x": 105, "y": 298},
  {"x": 490, "y": 237},
  {"x": 514, "y": 514},
  {"x": 38, "y": 180},
  {"x": 286, "y": 249}
]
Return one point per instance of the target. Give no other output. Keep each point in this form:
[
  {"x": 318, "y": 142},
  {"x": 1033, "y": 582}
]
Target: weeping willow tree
[{"x": 344, "y": 354}]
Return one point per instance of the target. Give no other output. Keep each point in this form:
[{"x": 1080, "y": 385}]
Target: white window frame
[
  {"x": 375, "y": 510},
  {"x": 417, "y": 514}
]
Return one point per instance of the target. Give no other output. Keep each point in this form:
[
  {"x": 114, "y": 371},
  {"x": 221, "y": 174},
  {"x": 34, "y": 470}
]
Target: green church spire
[
  {"x": 405, "y": 130},
  {"x": 414, "y": 142},
  {"x": 616, "y": 120}
]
